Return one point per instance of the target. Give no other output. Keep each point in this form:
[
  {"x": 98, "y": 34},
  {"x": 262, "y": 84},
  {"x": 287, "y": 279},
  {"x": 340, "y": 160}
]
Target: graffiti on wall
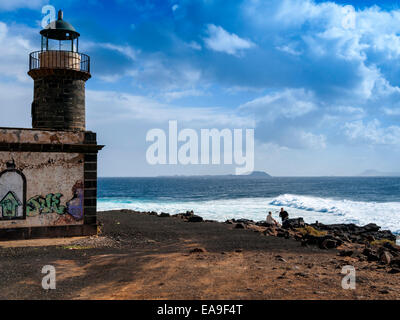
[
  {"x": 75, "y": 205},
  {"x": 51, "y": 203},
  {"x": 9, "y": 205},
  {"x": 12, "y": 193},
  {"x": 13, "y": 204}
]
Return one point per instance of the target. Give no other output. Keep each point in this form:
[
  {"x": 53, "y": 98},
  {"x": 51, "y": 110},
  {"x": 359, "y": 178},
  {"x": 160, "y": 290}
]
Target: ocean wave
[{"x": 386, "y": 215}]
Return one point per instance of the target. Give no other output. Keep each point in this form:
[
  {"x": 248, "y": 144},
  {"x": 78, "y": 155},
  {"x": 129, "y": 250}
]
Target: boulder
[
  {"x": 164, "y": 215},
  {"x": 244, "y": 221},
  {"x": 372, "y": 227},
  {"x": 328, "y": 244},
  {"x": 239, "y": 226},
  {"x": 345, "y": 253},
  {"x": 394, "y": 271},
  {"x": 385, "y": 257},
  {"x": 395, "y": 262},
  {"x": 197, "y": 250},
  {"x": 293, "y": 223},
  {"x": 195, "y": 218}
]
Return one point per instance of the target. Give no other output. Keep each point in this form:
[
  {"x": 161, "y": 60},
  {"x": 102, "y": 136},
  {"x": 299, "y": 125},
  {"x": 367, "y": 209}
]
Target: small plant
[
  {"x": 76, "y": 247},
  {"x": 308, "y": 230},
  {"x": 382, "y": 242}
]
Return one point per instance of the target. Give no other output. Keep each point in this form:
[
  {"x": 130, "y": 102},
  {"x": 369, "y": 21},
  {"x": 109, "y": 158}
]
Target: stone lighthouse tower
[
  {"x": 48, "y": 174},
  {"x": 60, "y": 73}
]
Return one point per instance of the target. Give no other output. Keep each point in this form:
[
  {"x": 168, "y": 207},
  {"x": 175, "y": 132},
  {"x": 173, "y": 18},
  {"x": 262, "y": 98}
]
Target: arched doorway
[{"x": 12, "y": 195}]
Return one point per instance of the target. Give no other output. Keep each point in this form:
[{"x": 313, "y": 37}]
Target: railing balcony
[{"x": 55, "y": 59}]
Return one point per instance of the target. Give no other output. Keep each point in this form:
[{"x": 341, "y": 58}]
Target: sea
[{"x": 359, "y": 200}]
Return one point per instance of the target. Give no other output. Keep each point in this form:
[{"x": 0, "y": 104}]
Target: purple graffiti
[{"x": 75, "y": 205}]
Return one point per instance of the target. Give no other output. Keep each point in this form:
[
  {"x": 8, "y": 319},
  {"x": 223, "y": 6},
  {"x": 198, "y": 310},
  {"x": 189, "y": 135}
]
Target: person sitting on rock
[
  {"x": 283, "y": 215},
  {"x": 271, "y": 221}
]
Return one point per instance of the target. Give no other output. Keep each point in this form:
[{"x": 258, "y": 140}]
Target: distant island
[
  {"x": 376, "y": 173},
  {"x": 253, "y": 175}
]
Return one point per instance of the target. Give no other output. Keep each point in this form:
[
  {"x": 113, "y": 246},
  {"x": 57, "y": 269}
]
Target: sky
[{"x": 318, "y": 81}]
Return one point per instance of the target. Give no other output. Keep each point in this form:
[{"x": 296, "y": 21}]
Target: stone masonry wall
[
  {"x": 48, "y": 183},
  {"x": 59, "y": 103}
]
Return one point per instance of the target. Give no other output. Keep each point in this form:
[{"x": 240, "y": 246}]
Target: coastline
[{"x": 149, "y": 256}]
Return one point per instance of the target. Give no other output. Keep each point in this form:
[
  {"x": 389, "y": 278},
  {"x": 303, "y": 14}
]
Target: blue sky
[{"x": 323, "y": 95}]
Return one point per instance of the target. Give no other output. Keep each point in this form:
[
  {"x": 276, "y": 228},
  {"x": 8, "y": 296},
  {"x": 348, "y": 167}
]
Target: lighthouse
[
  {"x": 48, "y": 173},
  {"x": 59, "y": 72}
]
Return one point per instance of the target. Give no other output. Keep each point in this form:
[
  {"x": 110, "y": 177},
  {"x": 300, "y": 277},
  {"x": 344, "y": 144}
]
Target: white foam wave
[{"x": 386, "y": 215}]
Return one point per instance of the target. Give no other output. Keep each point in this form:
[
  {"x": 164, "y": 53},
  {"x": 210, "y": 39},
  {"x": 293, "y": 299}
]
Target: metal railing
[{"x": 55, "y": 59}]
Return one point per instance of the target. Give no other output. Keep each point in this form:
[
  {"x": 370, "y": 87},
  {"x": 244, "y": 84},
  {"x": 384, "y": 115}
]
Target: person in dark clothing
[{"x": 283, "y": 215}]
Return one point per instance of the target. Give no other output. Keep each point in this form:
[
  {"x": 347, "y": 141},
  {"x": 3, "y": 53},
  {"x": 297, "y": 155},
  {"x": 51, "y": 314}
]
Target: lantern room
[
  {"x": 60, "y": 48},
  {"x": 60, "y": 35}
]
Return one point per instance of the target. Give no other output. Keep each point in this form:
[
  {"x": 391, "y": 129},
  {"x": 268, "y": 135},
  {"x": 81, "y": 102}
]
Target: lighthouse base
[{"x": 48, "y": 183}]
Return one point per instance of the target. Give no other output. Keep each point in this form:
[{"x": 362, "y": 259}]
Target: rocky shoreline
[
  {"x": 139, "y": 255},
  {"x": 365, "y": 243}
]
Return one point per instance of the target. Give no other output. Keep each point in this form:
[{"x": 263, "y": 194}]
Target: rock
[
  {"x": 385, "y": 257},
  {"x": 195, "y": 218},
  {"x": 395, "y": 250},
  {"x": 394, "y": 271},
  {"x": 301, "y": 274},
  {"x": 370, "y": 254},
  {"x": 197, "y": 250},
  {"x": 370, "y": 238},
  {"x": 395, "y": 262},
  {"x": 270, "y": 232},
  {"x": 328, "y": 244},
  {"x": 346, "y": 253},
  {"x": 239, "y": 226},
  {"x": 164, "y": 215},
  {"x": 304, "y": 243},
  {"x": 293, "y": 223},
  {"x": 281, "y": 234},
  {"x": 298, "y": 237},
  {"x": 384, "y": 291},
  {"x": 372, "y": 227}
]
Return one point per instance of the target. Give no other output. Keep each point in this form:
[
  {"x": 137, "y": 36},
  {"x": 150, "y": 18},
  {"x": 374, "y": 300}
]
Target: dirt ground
[{"x": 140, "y": 256}]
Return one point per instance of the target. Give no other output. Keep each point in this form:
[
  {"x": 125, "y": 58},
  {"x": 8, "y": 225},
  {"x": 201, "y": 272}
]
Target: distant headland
[
  {"x": 376, "y": 173},
  {"x": 253, "y": 175}
]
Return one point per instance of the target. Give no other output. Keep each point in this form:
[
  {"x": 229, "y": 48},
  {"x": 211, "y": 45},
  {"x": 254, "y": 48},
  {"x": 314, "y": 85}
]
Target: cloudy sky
[{"x": 318, "y": 81}]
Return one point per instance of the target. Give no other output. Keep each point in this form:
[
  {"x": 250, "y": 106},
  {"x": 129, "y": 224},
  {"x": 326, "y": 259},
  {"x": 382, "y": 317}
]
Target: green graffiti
[
  {"x": 10, "y": 204},
  {"x": 44, "y": 205}
]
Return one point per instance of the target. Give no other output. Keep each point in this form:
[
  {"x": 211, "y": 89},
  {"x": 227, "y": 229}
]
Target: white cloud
[
  {"x": 289, "y": 103},
  {"x": 309, "y": 140},
  {"x": 133, "y": 107},
  {"x": 392, "y": 112},
  {"x": 15, "y": 102},
  {"x": 173, "y": 95},
  {"x": 373, "y": 133},
  {"x": 220, "y": 40},
  {"x": 124, "y": 50},
  {"x": 8, "y": 5},
  {"x": 15, "y": 47}
]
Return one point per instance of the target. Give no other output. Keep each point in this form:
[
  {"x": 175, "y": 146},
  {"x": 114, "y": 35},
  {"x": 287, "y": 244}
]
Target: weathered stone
[
  {"x": 394, "y": 271},
  {"x": 195, "y": 218},
  {"x": 328, "y": 244},
  {"x": 239, "y": 226},
  {"x": 293, "y": 223},
  {"x": 164, "y": 215},
  {"x": 59, "y": 103},
  {"x": 197, "y": 250},
  {"x": 346, "y": 253},
  {"x": 385, "y": 257}
]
